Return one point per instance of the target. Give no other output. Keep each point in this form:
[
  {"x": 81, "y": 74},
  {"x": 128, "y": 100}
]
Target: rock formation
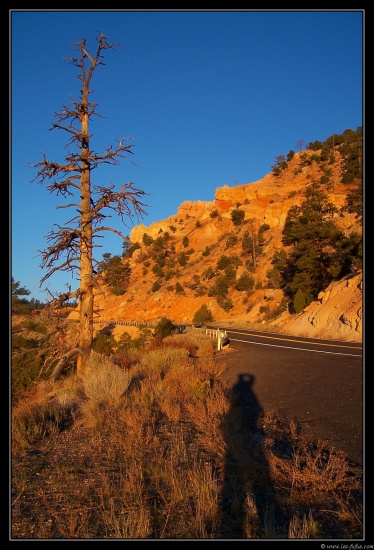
[{"x": 211, "y": 233}]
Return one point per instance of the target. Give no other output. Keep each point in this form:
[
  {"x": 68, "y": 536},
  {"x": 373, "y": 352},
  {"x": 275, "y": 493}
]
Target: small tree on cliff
[{"x": 71, "y": 246}]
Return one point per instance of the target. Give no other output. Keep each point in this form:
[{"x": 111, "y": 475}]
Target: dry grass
[{"x": 151, "y": 445}]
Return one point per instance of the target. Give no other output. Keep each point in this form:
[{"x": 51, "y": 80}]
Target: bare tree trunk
[
  {"x": 86, "y": 272},
  {"x": 71, "y": 248}
]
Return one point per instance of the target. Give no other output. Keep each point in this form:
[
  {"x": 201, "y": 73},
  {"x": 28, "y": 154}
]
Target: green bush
[
  {"x": 131, "y": 249},
  {"x": 183, "y": 259},
  {"x": 157, "y": 270},
  {"x": 164, "y": 327},
  {"x": 264, "y": 227},
  {"x": 147, "y": 239},
  {"x": 224, "y": 302},
  {"x": 156, "y": 286},
  {"x": 116, "y": 274},
  {"x": 103, "y": 343},
  {"x": 220, "y": 287},
  {"x": 300, "y": 301},
  {"x": 202, "y": 315},
  {"x": 237, "y": 216},
  {"x": 231, "y": 241},
  {"x": 245, "y": 282},
  {"x": 178, "y": 288}
]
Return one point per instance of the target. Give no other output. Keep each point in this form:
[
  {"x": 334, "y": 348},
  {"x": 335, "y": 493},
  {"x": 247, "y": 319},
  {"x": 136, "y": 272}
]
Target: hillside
[{"x": 174, "y": 261}]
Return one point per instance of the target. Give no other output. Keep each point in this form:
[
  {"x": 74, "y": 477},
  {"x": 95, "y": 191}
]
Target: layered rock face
[
  {"x": 211, "y": 233},
  {"x": 337, "y": 314}
]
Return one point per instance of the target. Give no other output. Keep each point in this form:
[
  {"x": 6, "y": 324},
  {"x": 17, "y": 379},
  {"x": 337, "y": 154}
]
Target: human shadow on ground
[{"x": 248, "y": 504}]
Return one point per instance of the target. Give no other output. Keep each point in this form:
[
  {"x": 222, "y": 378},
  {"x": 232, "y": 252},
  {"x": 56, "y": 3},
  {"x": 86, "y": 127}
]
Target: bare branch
[
  {"x": 110, "y": 229},
  {"x": 125, "y": 202},
  {"x": 62, "y": 188},
  {"x": 69, "y": 205},
  {"x": 112, "y": 155},
  {"x": 66, "y": 266},
  {"x": 70, "y": 128}
]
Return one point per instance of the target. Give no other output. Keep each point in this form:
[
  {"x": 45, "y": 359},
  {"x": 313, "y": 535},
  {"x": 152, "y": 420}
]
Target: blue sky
[{"x": 209, "y": 97}]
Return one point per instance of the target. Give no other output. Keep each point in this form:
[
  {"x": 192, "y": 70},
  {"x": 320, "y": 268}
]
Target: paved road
[{"x": 317, "y": 383}]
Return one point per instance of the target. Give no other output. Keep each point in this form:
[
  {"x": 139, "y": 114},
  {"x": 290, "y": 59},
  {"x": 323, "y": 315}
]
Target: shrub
[
  {"x": 157, "y": 270},
  {"x": 147, "y": 239},
  {"x": 225, "y": 303},
  {"x": 131, "y": 249},
  {"x": 264, "y": 227},
  {"x": 178, "y": 287},
  {"x": 245, "y": 282},
  {"x": 183, "y": 259},
  {"x": 164, "y": 327},
  {"x": 300, "y": 301},
  {"x": 156, "y": 286},
  {"x": 237, "y": 216},
  {"x": 103, "y": 343},
  {"x": 220, "y": 287},
  {"x": 202, "y": 315},
  {"x": 209, "y": 273},
  {"x": 290, "y": 154},
  {"x": 169, "y": 274},
  {"x": 104, "y": 381},
  {"x": 223, "y": 262},
  {"x": 161, "y": 360},
  {"x": 231, "y": 241},
  {"x": 230, "y": 273},
  {"x": 33, "y": 421}
]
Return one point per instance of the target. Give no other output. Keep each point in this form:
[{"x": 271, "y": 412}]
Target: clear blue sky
[{"x": 210, "y": 98}]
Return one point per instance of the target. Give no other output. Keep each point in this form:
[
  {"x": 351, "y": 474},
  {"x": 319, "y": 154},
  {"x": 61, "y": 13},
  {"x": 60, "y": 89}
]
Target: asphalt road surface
[{"x": 317, "y": 383}]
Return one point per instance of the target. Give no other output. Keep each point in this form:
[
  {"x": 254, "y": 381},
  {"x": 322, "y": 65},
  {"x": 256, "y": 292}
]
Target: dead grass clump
[
  {"x": 158, "y": 362},
  {"x": 104, "y": 381},
  {"x": 305, "y": 528},
  {"x": 34, "y": 420},
  {"x": 207, "y": 416},
  {"x": 318, "y": 482}
]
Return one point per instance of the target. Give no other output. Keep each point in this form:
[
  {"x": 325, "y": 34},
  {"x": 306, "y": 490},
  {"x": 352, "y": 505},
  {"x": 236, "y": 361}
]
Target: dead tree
[{"x": 71, "y": 246}]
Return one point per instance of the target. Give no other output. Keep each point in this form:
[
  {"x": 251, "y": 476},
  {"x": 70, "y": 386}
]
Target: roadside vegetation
[{"x": 150, "y": 444}]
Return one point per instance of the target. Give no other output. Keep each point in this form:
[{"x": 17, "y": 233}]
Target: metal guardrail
[
  {"x": 128, "y": 323},
  {"x": 221, "y": 336}
]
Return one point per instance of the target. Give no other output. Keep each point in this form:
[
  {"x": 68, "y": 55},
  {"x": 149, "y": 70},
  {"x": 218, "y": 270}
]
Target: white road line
[{"x": 298, "y": 349}]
